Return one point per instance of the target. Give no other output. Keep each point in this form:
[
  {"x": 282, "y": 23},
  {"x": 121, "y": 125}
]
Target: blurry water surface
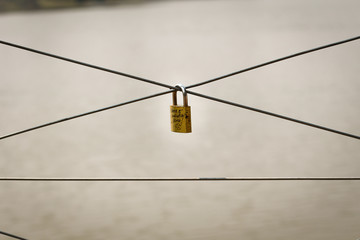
[{"x": 181, "y": 42}]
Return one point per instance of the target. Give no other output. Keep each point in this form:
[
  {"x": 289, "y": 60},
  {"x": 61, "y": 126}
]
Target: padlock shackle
[{"x": 183, "y": 90}]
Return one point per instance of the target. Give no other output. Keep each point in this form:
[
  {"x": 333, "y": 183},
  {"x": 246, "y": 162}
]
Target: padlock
[{"x": 180, "y": 115}]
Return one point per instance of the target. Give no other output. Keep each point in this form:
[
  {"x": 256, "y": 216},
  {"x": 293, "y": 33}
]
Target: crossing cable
[
  {"x": 196, "y": 94},
  {"x": 273, "y": 114},
  {"x": 274, "y": 61},
  {"x": 11, "y": 235},
  {"x": 178, "y": 179},
  {"x": 174, "y": 88},
  {"x": 86, "y": 64},
  {"x": 84, "y": 114}
]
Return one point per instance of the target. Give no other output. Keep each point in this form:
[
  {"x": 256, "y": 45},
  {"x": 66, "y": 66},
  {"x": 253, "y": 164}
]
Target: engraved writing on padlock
[{"x": 180, "y": 115}]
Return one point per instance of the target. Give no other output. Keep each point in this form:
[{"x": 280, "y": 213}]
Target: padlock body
[{"x": 180, "y": 119}]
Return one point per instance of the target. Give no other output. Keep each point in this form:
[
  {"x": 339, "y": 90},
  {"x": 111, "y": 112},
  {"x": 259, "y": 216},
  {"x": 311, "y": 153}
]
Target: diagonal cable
[
  {"x": 84, "y": 114},
  {"x": 86, "y": 64},
  {"x": 274, "y": 61},
  {"x": 274, "y": 115},
  {"x": 12, "y": 235}
]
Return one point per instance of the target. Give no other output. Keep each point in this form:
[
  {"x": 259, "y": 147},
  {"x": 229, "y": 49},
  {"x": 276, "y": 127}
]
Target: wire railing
[{"x": 172, "y": 89}]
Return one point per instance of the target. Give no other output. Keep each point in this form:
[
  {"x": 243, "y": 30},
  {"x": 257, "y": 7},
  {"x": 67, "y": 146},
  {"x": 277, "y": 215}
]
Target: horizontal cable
[
  {"x": 11, "y": 235},
  {"x": 84, "y": 114},
  {"x": 274, "y": 115},
  {"x": 180, "y": 179},
  {"x": 86, "y": 64},
  {"x": 274, "y": 61}
]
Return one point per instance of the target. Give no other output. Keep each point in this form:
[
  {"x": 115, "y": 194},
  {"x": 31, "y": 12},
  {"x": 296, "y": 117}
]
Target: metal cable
[
  {"x": 274, "y": 61},
  {"x": 179, "y": 179},
  {"x": 191, "y": 86},
  {"x": 11, "y": 235},
  {"x": 84, "y": 114},
  {"x": 86, "y": 64},
  {"x": 274, "y": 115}
]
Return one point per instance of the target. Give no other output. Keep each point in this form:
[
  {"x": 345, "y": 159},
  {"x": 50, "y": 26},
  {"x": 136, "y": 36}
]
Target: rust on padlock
[{"x": 180, "y": 115}]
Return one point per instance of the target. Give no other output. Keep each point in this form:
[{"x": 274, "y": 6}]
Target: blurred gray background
[{"x": 180, "y": 42}]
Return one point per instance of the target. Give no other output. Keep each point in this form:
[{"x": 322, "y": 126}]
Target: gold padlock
[{"x": 180, "y": 115}]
